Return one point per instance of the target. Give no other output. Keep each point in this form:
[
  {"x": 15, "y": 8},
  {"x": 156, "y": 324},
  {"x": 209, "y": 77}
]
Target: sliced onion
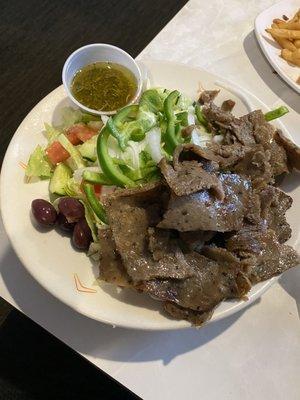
[{"x": 154, "y": 145}]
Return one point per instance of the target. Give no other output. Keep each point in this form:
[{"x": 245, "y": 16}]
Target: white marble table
[{"x": 254, "y": 354}]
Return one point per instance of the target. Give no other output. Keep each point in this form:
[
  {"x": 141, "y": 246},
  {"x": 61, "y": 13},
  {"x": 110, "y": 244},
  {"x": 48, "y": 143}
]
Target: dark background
[
  {"x": 37, "y": 36},
  {"x": 35, "y": 39}
]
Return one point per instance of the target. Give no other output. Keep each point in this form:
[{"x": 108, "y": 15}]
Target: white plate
[
  {"x": 271, "y": 49},
  {"x": 49, "y": 257}
]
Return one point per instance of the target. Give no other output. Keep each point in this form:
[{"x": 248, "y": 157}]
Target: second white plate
[{"x": 271, "y": 49}]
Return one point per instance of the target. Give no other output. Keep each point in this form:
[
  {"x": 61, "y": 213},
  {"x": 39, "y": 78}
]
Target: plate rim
[{"x": 173, "y": 324}]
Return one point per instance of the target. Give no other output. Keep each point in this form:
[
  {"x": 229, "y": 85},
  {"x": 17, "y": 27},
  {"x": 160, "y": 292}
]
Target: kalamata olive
[
  {"x": 63, "y": 223},
  {"x": 71, "y": 208},
  {"x": 43, "y": 212},
  {"x": 82, "y": 235}
]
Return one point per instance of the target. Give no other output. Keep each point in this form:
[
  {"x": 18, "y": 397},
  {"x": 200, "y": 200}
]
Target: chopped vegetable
[
  {"x": 90, "y": 219},
  {"x": 126, "y": 114},
  {"x": 122, "y": 140},
  {"x": 73, "y": 138},
  {"x": 57, "y": 153},
  {"x": 183, "y": 118},
  {"x": 94, "y": 202},
  {"x": 82, "y": 131},
  {"x": 62, "y": 173},
  {"x": 94, "y": 251},
  {"x": 71, "y": 116},
  {"x": 152, "y": 100},
  {"x": 277, "y": 113},
  {"x": 184, "y": 102},
  {"x": 154, "y": 144},
  {"x": 73, "y": 151},
  {"x": 72, "y": 188},
  {"x": 171, "y": 140},
  {"x": 96, "y": 125},
  {"x": 52, "y": 133},
  {"x": 98, "y": 189},
  {"x": 110, "y": 169},
  {"x": 88, "y": 149},
  {"x": 124, "y": 126},
  {"x": 200, "y": 117},
  {"x": 200, "y": 137},
  {"x": 38, "y": 165},
  {"x": 96, "y": 178}
]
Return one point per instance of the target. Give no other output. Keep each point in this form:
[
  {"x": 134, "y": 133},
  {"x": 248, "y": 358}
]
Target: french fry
[
  {"x": 284, "y": 43},
  {"x": 296, "y": 62},
  {"x": 296, "y": 17},
  {"x": 287, "y": 44},
  {"x": 289, "y": 25},
  {"x": 288, "y": 55},
  {"x": 296, "y": 54},
  {"x": 285, "y": 33},
  {"x": 297, "y": 43}
]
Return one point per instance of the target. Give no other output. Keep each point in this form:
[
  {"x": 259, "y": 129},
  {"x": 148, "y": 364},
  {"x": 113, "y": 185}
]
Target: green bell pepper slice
[
  {"x": 114, "y": 131},
  {"x": 182, "y": 118},
  {"x": 171, "y": 139},
  {"x": 200, "y": 117},
  {"x": 109, "y": 168},
  {"x": 126, "y": 114},
  {"x": 116, "y": 123},
  {"x": 277, "y": 113},
  {"x": 96, "y": 178},
  {"x": 95, "y": 204},
  {"x": 151, "y": 100}
]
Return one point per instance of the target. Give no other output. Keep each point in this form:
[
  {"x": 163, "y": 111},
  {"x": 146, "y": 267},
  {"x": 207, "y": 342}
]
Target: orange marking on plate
[
  {"x": 81, "y": 288},
  {"x": 22, "y": 165}
]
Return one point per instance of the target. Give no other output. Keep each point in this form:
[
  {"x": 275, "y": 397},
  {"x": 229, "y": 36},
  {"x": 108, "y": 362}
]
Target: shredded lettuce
[
  {"x": 94, "y": 251},
  {"x": 152, "y": 100},
  {"x": 184, "y": 102},
  {"x": 88, "y": 149},
  {"x": 52, "y": 133},
  {"x": 130, "y": 156},
  {"x": 76, "y": 158},
  {"x": 91, "y": 220},
  {"x": 97, "y": 125},
  {"x": 71, "y": 116},
  {"x": 38, "y": 165},
  {"x": 72, "y": 188}
]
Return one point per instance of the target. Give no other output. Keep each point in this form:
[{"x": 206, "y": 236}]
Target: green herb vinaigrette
[{"x": 104, "y": 86}]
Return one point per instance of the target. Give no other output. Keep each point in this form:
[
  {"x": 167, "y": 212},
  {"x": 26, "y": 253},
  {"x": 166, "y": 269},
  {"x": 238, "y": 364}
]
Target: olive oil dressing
[{"x": 104, "y": 86}]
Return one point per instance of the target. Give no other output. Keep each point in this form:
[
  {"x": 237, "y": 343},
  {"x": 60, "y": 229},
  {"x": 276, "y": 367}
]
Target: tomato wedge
[
  {"x": 81, "y": 132},
  {"x": 73, "y": 138},
  {"x": 98, "y": 189},
  {"x": 57, "y": 153},
  {"x": 76, "y": 134}
]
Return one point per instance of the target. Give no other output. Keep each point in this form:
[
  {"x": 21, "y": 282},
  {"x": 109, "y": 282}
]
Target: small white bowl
[{"x": 94, "y": 53}]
